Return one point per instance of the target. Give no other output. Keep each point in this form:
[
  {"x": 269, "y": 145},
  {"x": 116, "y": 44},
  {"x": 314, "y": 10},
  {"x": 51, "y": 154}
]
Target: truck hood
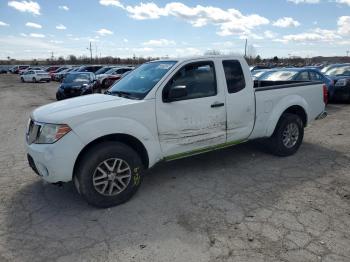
[{"x": 58, "y": 112}]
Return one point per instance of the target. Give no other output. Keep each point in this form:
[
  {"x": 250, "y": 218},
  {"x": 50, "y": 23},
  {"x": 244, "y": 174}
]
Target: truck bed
[{"x": 272, "y": 98}]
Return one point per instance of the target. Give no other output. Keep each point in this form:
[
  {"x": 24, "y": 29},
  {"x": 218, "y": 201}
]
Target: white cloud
[
  {"x": 304, "y": 1},
  {"x": 33, "y": 25},
  {"x": 286, "y": 22},
  {"x": 104, "y": 32},
  {"x": 37, "y": 35},
  {"x": 111, "y": 2},
  {"x": 159, "y": 42},
  {"x": 269, "y": 34},
  {"x": 61, "y": 27},
  {"x": 188, "y": 51},
  {"x": 63, "y": 7},
  {"x": 229, "y": 22},
  {"x": 344, "y": 25},
  {"x": 23, "y": 34},
  {"x": 347, "y": 2},
  {"x": 316, "y": 35},
  {"x": 125, "y": 40},
  {"x": 3, "y": 23},
  {"x": 26, "y": 6}
]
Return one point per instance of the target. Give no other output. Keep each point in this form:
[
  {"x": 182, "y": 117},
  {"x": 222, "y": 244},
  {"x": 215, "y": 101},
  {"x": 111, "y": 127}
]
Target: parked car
[
  {"x": 258, "y": 73},
  {"x": 107, "y": 79},
  {"x": 52, "y": 73},
  {"x": 298, "y": 74},
  {"x": 60, "y": 75},
  {"x": 259, "y": 67},
  {"x": 76, "y": 84},
  {"x": 22, "y": 71},
  {"x": 341, "y": 77},
  {"x": 52, "y": 68},
  {"x": 16, "y": 69},
  {"x": 330, "y": 67},
  {"x": 92, "y": 68},
  {"x": 165, "y": 110},
  {"x": 35, "y": 76},
  {"x": 4, "y": 69},
  {"x": 104, "y": 69}
]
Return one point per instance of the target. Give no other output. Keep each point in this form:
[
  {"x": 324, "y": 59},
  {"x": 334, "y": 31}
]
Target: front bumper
[
  {"x": 55, "y": 162},
  {"x": 72, "y": 92}
]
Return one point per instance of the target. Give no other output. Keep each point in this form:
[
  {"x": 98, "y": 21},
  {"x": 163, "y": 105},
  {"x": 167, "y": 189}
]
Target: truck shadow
[{"x": 211, "y": 191}]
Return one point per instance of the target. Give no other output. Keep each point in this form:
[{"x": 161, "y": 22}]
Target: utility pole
[
  {"x": 52, "y": 56},
  {"x": 90, "y": 53},
  {"x": 245, "y": 48}
]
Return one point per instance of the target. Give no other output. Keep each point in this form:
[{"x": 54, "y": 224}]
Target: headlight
[
  {"x": 341, "y": 82},
  {"x": 50, "y": 133}
]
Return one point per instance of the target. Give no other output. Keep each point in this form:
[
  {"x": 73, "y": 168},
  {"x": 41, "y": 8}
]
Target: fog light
[{"x": 42, "y": 170}]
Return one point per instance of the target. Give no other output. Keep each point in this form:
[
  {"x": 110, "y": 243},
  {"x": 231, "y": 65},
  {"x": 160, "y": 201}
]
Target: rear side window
[{"x": 234, "y": 76}]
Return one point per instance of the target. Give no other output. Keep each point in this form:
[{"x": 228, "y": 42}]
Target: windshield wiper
[{"x": 122, "y": 94}]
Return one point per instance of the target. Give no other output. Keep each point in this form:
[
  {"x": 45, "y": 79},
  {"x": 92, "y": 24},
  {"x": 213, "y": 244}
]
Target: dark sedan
[
  {"x": 76, "y": 84},
  {"x": 341, "y": 77}
]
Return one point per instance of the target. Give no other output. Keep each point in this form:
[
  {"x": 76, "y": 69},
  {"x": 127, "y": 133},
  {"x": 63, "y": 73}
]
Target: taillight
[{"x": 325, "y": 94}]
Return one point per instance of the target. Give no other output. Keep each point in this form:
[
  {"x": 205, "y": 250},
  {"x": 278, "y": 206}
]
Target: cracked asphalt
[{"x": 238, "y": 204}]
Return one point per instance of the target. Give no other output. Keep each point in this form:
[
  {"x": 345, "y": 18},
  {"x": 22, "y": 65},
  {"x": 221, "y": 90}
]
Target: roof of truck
[{"x": 183, "y": 59}]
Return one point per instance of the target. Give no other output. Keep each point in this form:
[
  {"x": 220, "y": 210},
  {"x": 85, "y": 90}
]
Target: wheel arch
[{"x": 129, "y": 140}]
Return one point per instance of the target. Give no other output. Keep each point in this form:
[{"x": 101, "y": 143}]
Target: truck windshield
[{"x": 139, "y": 82}]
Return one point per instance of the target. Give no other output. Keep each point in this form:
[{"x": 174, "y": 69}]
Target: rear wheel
[
  {"x": 288, "y": 135},
  {"x": 22, "y": 79},
  {"x": 109, "y": 174},
  {"x": 34, "y": 80}
]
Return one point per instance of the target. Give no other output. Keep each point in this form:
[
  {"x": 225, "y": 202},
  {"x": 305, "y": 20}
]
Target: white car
[
  {"x": 35, "y": 76},
  {"x": 165, "y": 110},
  {"x": 21, "y": 72}
]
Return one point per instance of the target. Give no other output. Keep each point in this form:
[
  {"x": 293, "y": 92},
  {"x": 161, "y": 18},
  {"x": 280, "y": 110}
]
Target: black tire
[
  {"x": 22, "y": 79},
  {"x": 34, "y": 80},
  {"x": 93, "y": 158},
  {"x": 276, "y": 143}
]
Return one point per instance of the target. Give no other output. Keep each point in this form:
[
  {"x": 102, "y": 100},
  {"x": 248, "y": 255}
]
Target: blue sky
[{"x": 34, "y": 29}]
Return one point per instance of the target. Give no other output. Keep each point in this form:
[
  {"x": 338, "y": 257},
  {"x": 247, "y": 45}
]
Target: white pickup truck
[{"x": 165, "y": 110}]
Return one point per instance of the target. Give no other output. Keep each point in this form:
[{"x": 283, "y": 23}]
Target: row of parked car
[
  {"x": 336, "y": 77},
  {"x": 75, "y": 80}
]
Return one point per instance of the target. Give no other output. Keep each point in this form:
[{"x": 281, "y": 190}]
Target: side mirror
[{"x": 176, "y": 92}]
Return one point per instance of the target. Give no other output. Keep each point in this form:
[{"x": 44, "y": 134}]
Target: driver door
[{"x": 196, "y": 121}]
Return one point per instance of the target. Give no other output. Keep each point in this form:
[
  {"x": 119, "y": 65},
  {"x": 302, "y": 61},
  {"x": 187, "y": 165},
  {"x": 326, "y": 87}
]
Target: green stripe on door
[{"x": 202, "y": 150}]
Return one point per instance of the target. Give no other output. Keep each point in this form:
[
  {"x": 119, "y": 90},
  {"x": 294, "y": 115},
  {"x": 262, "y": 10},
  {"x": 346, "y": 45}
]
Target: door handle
[{"x": 217, "y": 104}]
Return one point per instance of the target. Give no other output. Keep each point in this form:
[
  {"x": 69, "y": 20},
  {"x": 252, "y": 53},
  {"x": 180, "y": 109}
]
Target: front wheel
[
  {"x": 22, "y": 79},
  {"x": 288, "y": 135},
  {"x": 109, "y": 174},
  {"x": 34, "y": 80}
]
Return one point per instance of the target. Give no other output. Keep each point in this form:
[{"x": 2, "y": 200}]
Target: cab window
[{"x": 198, "y": 78}]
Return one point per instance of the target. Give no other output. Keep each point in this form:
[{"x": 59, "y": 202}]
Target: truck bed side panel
[{"x": 271, "y": 103}]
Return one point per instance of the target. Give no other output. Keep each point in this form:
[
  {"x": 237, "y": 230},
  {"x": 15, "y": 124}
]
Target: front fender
[
  {"x": 94, "y": 129},
  {"x": 281, "y": 107}
]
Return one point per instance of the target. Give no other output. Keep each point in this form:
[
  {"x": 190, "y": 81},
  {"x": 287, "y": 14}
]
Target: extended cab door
[
  {"x": 240, "y": 101},
  {"x": 197, "y": 120}
]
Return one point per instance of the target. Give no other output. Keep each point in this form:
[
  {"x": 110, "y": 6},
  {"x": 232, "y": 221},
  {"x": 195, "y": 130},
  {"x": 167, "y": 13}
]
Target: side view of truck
[{"x": 165, "y": 110}]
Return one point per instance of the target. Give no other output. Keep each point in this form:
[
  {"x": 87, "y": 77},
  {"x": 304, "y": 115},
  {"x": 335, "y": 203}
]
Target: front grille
[{"x": 33, "y": 131}]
